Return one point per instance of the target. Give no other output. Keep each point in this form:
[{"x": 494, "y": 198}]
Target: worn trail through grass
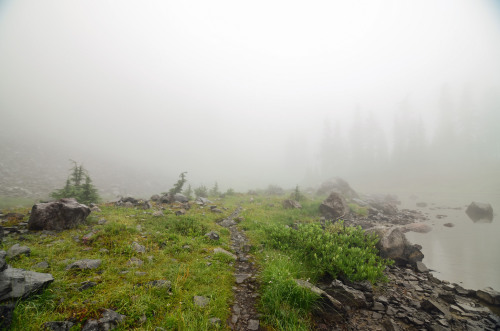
[{"x": 244, "y": 313}]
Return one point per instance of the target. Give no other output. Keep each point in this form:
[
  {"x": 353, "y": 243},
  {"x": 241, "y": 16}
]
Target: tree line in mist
[{"x": 462, "y": 141}]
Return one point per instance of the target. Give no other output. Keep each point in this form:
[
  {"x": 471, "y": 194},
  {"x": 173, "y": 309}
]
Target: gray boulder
[
  {"x": 478, "y": 211},
  {"x": 203, "y": 201},
  {"x": 20, "y": 283},
  {"x": 180, "y": 198},
  {"x": 155, "y": 197},
  {"x": 334, "y": 206},
  {"x": 57, "y": 215},
  {"x": 291, "y": 204},
  {"x": 394, "y": 245},
  {"x": 17, "y": 250}
]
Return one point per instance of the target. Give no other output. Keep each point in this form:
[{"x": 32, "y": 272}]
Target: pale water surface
[{"x": 467, "y": 253}]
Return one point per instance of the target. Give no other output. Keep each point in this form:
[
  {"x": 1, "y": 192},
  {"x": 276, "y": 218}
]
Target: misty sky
[{"x": 220, "y": 88}]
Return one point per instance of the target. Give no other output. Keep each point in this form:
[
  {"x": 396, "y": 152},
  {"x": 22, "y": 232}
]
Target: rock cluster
[{"x": 409, "y": 301}]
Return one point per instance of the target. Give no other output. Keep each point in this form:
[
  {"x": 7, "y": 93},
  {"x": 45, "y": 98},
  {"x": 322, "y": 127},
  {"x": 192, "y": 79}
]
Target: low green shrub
[{"x": 336, "y": 250}]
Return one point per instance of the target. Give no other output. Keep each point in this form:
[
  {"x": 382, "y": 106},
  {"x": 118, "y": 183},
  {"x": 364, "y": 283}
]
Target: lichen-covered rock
[{"x": 57, "y": 215}]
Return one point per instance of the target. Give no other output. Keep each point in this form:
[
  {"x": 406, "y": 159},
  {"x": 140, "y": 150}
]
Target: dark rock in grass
[
  {"x": 212, "y": 235},
  {"x": 58, "y": 215},
  {"x": 334, "y": 206},
  {"x": 58, "y": 325},
  {"x": 20, "y": 283},
  {"x": 84, "y": 264},
  {"x": 147, "y": 205},
  {"x": 138, "y": 248},
  {"x": 449, "y": 225},
  {"x": 478, "y": 211},
  {"x": 158, "y": 213},
  {"x": 109, "y": 321},
  {"x": 489, "y": 295},
  {"x": 155, "y": 197},
  {"x": 86, "y": 285},
  {"x": 17, "y": 250},
  {"x": 201, "y": 301},
  {"x": 6, "y": 312},
  {"x": 291, "y": 204}
]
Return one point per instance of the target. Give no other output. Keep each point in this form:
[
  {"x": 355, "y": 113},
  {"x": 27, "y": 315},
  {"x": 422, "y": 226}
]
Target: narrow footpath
[{"x": 244, "y": 313}]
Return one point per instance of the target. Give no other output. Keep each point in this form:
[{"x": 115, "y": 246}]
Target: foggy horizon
[{"x": 252, "y": 94}]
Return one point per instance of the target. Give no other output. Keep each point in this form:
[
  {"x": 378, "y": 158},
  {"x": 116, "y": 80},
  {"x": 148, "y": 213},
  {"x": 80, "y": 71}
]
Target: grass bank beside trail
[{"x": 178, "y": 251}]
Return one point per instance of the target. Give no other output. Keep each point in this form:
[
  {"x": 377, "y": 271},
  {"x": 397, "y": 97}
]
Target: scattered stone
[
  {"x": 203, "y": 201},
  {"x": 41, "y": 265},
  {"x": 216, "y": 210},
  {"x": 449, "y": 225},
  {"x": 223, "y": 251},
  {"x": 102, "y": 221},
  {"x": 138, "y": 248},
  {"x": 109, "y": 320},
  {"x": 489, "y": 295},
  {"x": 58, "y": 215},
  {"x": 212, "y": 235},
  {"x": 253, "y": 325},
  {"x": 155, "y": 197},
  {"x": 240, "y": 278},
  {"x": 214, "y": 321},
  {"x": 291, "y": 204},
  {"x": 180, "y": 212},
  {"x": 104, "y": 250},
  {"x": 227, "y": 223},
  {"x": 18, "y": 250},
  {"x": 147, "y": 205},
  {"x": 201, "y": 301},
  {"x": 327, "y": 299},
  {"x": 135, "y": 262},
  {"x": 158, "y": 213},
  {"x": 432, "y": 305},
  {"x": 85, "y": 264},
  {"x": 421, "y": 267}
]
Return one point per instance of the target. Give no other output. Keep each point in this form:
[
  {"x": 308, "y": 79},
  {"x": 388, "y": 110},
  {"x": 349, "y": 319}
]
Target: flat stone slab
[
  {"x": 240, "y": 278},
  {"x": 84, "y": 264},
  {"x": 20, "y": 283}
]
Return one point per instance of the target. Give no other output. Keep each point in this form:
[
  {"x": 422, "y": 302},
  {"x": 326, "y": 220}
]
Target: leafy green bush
[
  {"x": 337, "y": 250},
  {"x": 201, "y": 191}
]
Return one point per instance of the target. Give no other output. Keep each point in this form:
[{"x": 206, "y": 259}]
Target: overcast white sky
[{"x": 217, "y": 88}]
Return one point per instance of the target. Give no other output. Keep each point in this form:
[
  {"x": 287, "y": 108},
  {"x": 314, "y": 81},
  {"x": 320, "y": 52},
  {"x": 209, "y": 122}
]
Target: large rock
[
  {"x": 20, "y": 283},
  {"x": 180, "y": 198},
  {"x": 334, "y": 206},
  {"x": 478, "y": 211},
  {"x": 489, "y": 295},
  {"x": 57, "y": 215},
  {"x": 291, "y": 204},
  {"x": 17, "y": 250},
  {"x": 394, "y": 245},
  {"x": 346, "y": 295}
]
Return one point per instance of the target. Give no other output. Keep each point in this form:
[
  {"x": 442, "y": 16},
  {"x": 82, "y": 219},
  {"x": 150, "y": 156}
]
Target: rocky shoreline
[{"x": 413, "y": 299}]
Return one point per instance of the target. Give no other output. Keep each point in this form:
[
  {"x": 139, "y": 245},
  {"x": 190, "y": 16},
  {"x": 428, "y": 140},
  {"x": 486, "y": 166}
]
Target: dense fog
[{"x": 246, "y": 94}]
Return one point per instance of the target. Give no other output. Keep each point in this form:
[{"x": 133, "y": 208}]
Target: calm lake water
[{"x": 467, "y": 253}]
